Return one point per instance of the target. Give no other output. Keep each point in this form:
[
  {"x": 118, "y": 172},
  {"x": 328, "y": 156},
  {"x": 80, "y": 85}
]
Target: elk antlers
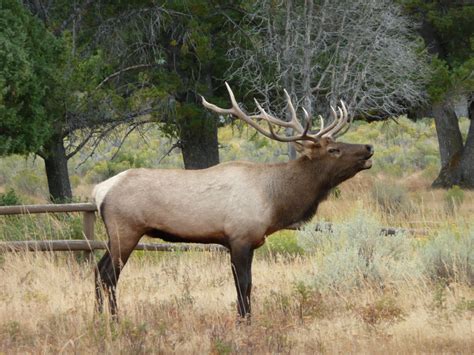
[{"x": 340, "y": 120}]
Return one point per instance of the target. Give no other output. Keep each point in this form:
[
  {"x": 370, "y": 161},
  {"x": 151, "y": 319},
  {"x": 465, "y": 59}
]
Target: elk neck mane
[{"x": 297, "y": 190}]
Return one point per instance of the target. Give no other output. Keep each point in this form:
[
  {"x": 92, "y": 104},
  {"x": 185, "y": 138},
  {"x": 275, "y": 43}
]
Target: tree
[
  {"x": 28, "y": 58},
  {"x": 31, "y": 102},
  {"x": 448, "y": 31},
  {"x": 364, "y": 52}
]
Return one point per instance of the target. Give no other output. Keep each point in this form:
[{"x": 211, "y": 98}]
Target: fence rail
[
  {"x": 89, "y": 243},
  {"x": 48, "y": 208}
]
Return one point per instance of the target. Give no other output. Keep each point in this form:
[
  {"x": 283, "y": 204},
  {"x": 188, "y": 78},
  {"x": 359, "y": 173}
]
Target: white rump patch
[{"x": 101, "y": 190}]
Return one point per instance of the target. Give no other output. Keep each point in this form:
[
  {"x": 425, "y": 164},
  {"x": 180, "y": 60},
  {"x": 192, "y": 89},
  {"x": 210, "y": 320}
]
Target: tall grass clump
[
  {"x": 453, "y": 198},
  {"x": 41, "y": 227},
  {"x": 391, "y": 197},
  {"x": 449, "y": 256},
  {"x": 354, "y": 254}
]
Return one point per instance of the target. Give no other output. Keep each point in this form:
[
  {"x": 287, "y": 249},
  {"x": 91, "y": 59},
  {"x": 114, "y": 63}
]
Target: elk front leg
[{"x": 241, "y": 260}]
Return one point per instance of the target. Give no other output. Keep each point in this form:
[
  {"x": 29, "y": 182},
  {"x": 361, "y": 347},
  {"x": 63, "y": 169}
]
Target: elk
[{"x": 235, "y": 204}]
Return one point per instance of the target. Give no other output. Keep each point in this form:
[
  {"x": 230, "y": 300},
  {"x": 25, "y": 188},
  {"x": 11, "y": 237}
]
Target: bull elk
[{"x": 235, "y": 204}]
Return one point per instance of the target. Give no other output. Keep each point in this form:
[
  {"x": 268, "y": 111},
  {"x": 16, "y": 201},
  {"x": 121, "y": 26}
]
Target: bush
[
  {"x": 391, "y": 197},
  {"x": 354, "y": 253},
  {"x": 449, "y": 256},
  {"x": 384, "y": 309},
  {"x": 283, "y": 242},
  {"x": 10, "y": 198}
]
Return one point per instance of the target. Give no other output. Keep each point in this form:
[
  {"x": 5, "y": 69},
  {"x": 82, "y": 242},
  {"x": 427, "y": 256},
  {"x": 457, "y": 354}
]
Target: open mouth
[{"x": 367, "y": 164}]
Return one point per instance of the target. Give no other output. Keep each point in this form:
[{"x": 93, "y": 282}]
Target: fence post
[{"x": 88, "y": 221}]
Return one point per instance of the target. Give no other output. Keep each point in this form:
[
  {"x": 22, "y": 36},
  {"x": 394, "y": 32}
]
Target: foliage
[
  {"x": 10, "y": 198},
  {"x": 29, "y": 58},
  {"x": 454, "y": 31},
  {"x": 449, "y": 256},
  {"x": 283, "y": 242}
]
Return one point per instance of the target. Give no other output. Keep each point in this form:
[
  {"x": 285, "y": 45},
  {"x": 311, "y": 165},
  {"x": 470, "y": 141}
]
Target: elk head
[{"x": 340, "y": 161}]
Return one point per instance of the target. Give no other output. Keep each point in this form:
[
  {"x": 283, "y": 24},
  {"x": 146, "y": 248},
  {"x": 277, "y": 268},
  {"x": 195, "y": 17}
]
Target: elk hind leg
[
  {"x": 106, "y": 278},
  {"x": 110, "y": 266}
]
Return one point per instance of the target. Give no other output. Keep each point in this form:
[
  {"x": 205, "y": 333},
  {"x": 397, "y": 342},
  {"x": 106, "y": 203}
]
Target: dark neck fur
[{"x": 296, "y": 190}]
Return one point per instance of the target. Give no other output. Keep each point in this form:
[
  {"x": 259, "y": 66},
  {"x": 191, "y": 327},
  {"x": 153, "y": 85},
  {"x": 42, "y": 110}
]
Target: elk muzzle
[{"x": 366, "y": 162}]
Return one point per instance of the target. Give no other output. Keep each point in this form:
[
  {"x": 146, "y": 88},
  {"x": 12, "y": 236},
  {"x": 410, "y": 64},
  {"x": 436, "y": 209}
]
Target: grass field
[
  {"x": 351, "y": 290},
  {"x": 185, "y": 304}
]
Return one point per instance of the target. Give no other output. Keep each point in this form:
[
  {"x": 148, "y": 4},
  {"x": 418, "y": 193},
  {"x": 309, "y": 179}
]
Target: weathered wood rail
[{"x": 89, "y": 243}]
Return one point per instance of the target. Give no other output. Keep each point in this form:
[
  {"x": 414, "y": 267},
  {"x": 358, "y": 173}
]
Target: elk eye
[{"x": 333, "y": 150}]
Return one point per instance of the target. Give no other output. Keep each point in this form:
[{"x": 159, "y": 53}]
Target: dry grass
[
  {"x": 184, "y": 303},
  {"x": 425, "y": 208}
]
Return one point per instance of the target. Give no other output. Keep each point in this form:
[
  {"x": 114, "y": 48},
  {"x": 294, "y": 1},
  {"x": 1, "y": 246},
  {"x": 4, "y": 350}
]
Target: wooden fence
[{"x": 89, "y": 243}]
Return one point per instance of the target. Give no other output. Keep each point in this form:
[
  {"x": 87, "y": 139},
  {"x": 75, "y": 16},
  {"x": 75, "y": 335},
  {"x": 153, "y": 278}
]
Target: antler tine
[
  {"x": 293, "y": 123},
  {"x": 294, "y": 120},
  {"x": 342, "y": 121},
  {"x": 349, "y": 121},
  {"x": 323, "y": 132},
  {"x": 234, "y": 110},
  {"x": 264, "y": 115},
  {"x": 303, "y": 136},
  {"x": 307, "y": 119},
  {"x": 322, "y": 122}
]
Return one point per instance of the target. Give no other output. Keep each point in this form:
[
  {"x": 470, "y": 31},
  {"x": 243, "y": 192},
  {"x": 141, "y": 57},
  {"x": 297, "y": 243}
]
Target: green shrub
[
  {"x": 449, "y": 256},
  {"x": 10, "y": 198},
  {"x": 284, "y": 242}
]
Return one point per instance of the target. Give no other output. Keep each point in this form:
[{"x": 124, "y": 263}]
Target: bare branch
[
  {"x": 117, "y": 73},
  {"x": 178, "y": 144}
]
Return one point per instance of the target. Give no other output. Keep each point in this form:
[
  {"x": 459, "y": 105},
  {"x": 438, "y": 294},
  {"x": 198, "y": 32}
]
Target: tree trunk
[
  {"x": 467, "y": 159},
  {"x": 55, "y": 162},
  {"x": 448, "y": 131},
  {"x": 199, "y": 144},
  {"x": 457, "y": 160},
  {"x": 198, "y": 131},
  {"x": 450, "y": 145}
]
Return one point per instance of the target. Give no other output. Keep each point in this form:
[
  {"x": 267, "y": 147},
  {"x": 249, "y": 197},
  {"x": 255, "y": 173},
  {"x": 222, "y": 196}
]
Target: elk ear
[
  {"x": 298, "y": 146},
  {"x": 306, "y": 148}
]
